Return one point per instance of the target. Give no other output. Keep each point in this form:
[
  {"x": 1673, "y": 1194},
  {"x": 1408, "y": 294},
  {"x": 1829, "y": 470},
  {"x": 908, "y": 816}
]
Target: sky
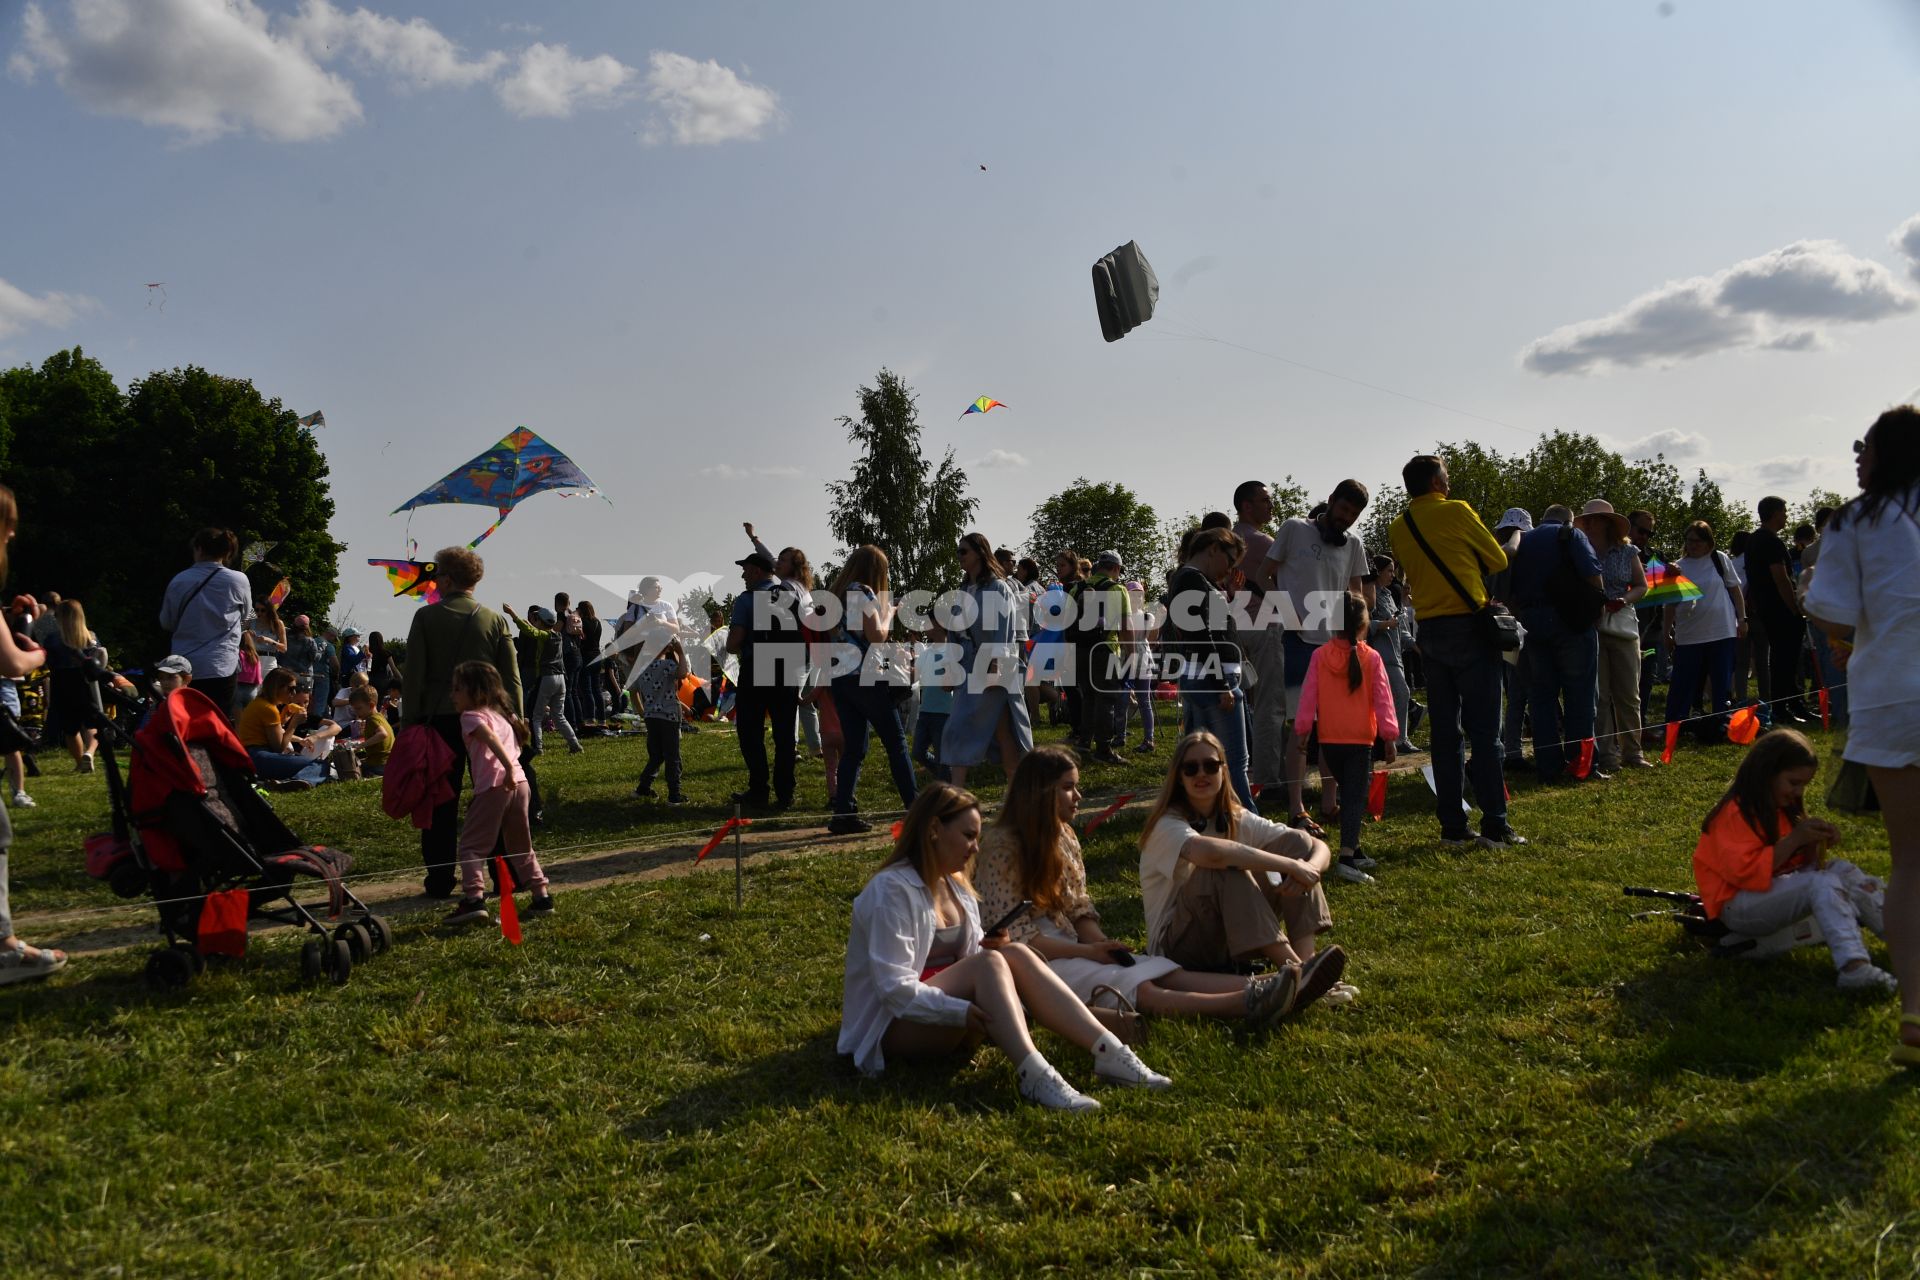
[{"x": 676, "y": 239}]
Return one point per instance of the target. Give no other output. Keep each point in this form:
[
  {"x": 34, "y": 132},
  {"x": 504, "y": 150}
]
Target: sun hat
[
  {"x": 1601, "y": 509},
  {"x": 1515, "y": 518}
]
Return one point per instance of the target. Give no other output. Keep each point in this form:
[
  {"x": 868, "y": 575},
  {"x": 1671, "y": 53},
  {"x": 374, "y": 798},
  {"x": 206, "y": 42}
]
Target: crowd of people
[{"x": 1291, "y": 649}]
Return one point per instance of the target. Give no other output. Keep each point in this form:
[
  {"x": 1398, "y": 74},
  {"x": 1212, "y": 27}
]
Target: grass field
[{"x": 1529, "y": 1084}]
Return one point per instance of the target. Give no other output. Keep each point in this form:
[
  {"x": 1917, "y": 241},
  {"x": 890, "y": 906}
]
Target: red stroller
[{"x": 190, "y": 829}]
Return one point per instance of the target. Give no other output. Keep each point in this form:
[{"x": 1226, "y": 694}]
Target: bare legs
[
  {"x": 1010, "y": 753},
  {"x": 1206, "y": 995},
  {"x": 1899, "y": 792},
  {"x": 1000, "y": 982}
]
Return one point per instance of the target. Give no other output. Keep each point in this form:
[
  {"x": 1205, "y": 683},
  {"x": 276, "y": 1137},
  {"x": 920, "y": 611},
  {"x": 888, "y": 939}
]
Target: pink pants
[{"x": 490, "y": 814}]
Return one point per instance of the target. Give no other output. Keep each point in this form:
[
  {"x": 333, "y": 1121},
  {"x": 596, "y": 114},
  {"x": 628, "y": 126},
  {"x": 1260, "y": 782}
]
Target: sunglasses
[
  {"x": 1192, "y": 768},
  {"x": 1859, "y": 447}
]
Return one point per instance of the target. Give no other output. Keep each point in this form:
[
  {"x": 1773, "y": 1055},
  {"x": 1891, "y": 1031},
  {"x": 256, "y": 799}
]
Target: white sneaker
[
  {"x": 1041, "y": 1084},
  {"x": 1340, "y": 993},
  {"x": 21, "y": 800},
  {"x": 1868, "y": 978},
  {"x": 1114, "y": 1063}
]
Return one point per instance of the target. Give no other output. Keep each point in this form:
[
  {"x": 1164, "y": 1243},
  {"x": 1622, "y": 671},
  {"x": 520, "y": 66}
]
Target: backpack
[
  {"x": 1577, "y": 601},
  {"x": 774, "y": 652}
]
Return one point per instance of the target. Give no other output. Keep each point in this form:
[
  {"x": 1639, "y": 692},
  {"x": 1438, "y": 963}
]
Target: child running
[
  {"x": 1762, "y": 865},
  {"x": 488, "y": 723},
  {"x": 1348, "y": 703}
]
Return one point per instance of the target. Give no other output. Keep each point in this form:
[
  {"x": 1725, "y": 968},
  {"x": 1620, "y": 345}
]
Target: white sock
[
  {"x": 1107, "y": 1043},
  {"x": 1034, "y": 1065}
]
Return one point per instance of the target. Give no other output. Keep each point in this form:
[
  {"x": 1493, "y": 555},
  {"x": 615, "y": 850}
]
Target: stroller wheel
[
  {"x": 359, "y": 941},
  {"x": 340, "y": 967},
  {"x": 169, "y": 970},
  {"x": 311, "y": 963},
  {"x": 380, "y": 931}
]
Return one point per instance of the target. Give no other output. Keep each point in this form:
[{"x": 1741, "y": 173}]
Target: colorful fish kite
[
  {"x": 520, "y": 465},
  {"x": 412, "y": 578},
  {"x": 1667, "y": 585},
  {"x": 983, "y": 405},
  {"x": 314, "y": 419}
]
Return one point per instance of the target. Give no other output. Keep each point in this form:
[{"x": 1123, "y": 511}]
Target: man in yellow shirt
[{"x": 1463, "y": 671}]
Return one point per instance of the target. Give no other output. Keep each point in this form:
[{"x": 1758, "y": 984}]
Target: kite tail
[{"x": 490, "y": 528}]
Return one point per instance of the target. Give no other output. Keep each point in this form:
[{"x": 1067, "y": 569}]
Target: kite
[
  {"x": 1124, "y": 291},
  {"x": 1667, "y": 585},
  {"x": 411, "y": 578},
  {"x": 985, "y": 404},
  {"x": 281, "y": 589},
  {"x": 159, "y": 288},
  {"x": 520, "y": 465},
  {"x": 255, "y": 553},
  {"x": 314, "y": 419}
]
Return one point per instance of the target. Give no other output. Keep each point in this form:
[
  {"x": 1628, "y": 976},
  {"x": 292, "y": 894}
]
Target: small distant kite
[
  {"x": 983, "y": 168},
  {"x": 281, "y": 589},
  {"x": 255, "y": 553},
  {"x": 518, "y": 466},
  {"x": 412, "y": 578},
  {"x": 314, "y": 419},
  {"x": 1124, "y": 291},
  {"x": 983, "y": 405},
  {"x": 157, "y": 288}
]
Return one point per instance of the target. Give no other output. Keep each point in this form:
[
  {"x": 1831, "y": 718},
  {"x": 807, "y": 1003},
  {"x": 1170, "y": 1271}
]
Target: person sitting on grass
[
  {"x": 1223, "y": 886},
  {"x": 370, "y": 729},
  {"x": 1030, "y": 853},
  {"x": 1346, "y": 706},
  {"x": 267, "y": 730},
  {"x": 494, "y": 734},
  {"x": 923, "y": 981},
  {"x": 1761, "y": 863}
]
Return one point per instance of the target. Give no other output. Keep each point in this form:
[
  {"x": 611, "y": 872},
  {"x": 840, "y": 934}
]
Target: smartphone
[
  {"x": 1122, "y": 957},
  {"x": 1021, "y": 908}
]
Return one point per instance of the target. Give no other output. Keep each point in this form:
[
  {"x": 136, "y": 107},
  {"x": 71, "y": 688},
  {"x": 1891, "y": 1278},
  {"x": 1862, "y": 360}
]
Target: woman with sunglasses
[
  {"x": 1223, "y": 886},
  {"x": 989, "y": 705},
  {"x": 1863, "y": 592},
  {"x": 923, "y": 980},
  {"x": 1030, "y": 854}
]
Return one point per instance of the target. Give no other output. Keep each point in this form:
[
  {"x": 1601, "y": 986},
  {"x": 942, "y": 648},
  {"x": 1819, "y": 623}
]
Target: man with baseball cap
[{"x": 765, "y": 624}]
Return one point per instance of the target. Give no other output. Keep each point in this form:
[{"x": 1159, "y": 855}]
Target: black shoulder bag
[{"x": 1497, "y": 628}]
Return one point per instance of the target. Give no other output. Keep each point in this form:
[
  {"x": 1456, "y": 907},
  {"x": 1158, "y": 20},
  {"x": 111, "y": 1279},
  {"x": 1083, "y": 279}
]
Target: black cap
[{"x": 758, "y": 560}]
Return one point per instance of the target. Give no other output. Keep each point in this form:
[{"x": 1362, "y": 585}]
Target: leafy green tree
[
  {"x": 1290, "y": 499},
  {"x": 895, "y": 498},
  {"x": 1802, "y": 512},
  {"x": 1092, "y": 518}
]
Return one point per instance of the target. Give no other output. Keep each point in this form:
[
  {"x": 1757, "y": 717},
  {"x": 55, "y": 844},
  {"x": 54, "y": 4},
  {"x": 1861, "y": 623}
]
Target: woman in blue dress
[{"x": 988, "y": 704}]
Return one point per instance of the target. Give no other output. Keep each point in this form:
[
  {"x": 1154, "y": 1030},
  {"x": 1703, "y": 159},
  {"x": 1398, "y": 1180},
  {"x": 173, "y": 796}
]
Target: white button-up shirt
[{"x": 893, "y": 927}]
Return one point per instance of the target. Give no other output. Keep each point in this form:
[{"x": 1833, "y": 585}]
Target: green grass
[{"x": 1530, "y": 1084}]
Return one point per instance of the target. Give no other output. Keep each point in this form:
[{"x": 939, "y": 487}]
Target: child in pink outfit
[
  {"x": 1348, "y": 704},
  {"x": 500, "y": 795}
]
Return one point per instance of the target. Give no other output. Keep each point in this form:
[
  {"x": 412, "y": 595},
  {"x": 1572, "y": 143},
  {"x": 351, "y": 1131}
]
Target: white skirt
[
  {"x": 1084, "y": 975},
  {"x": 1884, "y": 737}
]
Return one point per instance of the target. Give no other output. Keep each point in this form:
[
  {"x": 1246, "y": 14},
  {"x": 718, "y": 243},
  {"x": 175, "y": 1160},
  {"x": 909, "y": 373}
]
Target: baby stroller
[
  {"x": 190, "y": 829},
  {"x": 1721, "y": 942}
]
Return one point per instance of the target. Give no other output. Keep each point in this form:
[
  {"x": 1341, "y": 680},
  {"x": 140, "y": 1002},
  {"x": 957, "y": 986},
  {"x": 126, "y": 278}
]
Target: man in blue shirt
[
  {"x": 1557, "y": 594},
  {"x": 768, "y": 688}
]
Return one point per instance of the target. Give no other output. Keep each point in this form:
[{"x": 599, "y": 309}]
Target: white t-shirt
[
  {"x": 1163, "y": 871},
  {"x": 1869, "y": 579},
  {"x": 1710, "y": 617},
  {"x": 1303, "y": 564}
]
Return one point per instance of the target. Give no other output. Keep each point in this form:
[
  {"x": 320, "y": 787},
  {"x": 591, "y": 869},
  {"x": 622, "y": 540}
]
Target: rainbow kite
[
  {"x": 412, "y": 577},
  {"x": 1667, "y": 585},
  {"x": 982, "y": 405}
]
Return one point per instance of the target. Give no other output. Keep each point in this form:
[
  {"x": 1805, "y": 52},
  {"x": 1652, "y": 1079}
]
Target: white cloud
[
  {"x": 1907, "y": 240},
  {"x": 1000, "y": 460},
  {"x": 20, "y": 310},
  {"x": 1670, "y": 444},
  {"x": 550, "y": 81},
  {"x": 1761, "y": 303},
  {"x": 203, "y": 67},
  {"x": 704, "y": 103},
  {"x": 1783, "y": 470},
  {"x": 414, "y": 53},
  {"x": 726, "y": 471}
]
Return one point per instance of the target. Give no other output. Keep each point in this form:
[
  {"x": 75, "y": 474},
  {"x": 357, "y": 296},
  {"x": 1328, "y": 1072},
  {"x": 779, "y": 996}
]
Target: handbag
[
  {"x": 1497, "y": 628},
  {"x": 1117, "y": 1015}
]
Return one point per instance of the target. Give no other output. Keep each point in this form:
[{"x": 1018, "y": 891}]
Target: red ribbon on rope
[
  {"x": 1673, "y": 739},
  {"x": 1377, "y": 795},
  {"x": 1093, "y": 823},
  {"x": 726, "y": 827},
  {"x": 509, "y": 913}
]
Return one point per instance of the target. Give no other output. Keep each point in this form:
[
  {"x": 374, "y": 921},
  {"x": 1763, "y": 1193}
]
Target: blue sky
[{"x": 676, "y": 239}]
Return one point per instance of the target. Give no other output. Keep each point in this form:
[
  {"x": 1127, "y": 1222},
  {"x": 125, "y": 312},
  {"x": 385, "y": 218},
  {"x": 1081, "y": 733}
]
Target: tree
[
  {"x": 112, "y": 488},
  {"x": 1092, "y": 518},
  {"x": 1803, "y": 512},
  {"x": 895, "y": 499}
]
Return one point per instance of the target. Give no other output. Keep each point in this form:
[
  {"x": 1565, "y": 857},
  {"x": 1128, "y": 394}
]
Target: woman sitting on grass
[
  {"x": 266, "y": 730},
  {"x": 1762, "y": 865},
  {"x": 1030, "y": 853},
  {"x": 1223, "y": 886},
  {"x": 922, "y": 981}
]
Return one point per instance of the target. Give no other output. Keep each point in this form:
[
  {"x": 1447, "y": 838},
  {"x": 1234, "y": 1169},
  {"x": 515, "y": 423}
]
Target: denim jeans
[
  {"x": 277, "y": 767},
  {"x": 1832, "y": 678},
  {"x": 1565, "y": 683},
  {"x": 1227, "y": 723},
  {"x": 1713, "y": 658},
  {"x": 1463, "y": 694},
  {"x": 860, "y": 706},
  {"x": 1513, "y": 724},
  {"x": 927, "y": 728}
]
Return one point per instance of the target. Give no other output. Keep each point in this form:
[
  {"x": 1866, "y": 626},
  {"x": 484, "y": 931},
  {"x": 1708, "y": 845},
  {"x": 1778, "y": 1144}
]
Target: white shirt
[
  {"x": 1303, "y": 564},
  {"x": 1866, "y": 580},
  {"x": 893, "y": 927},
  {"x": 1163, "y": 871},
  {"x": 1710, "y": 617}
]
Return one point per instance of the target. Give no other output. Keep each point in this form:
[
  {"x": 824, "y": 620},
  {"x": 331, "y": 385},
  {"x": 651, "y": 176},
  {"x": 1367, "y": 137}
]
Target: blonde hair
[
  {"x": 1226, "y": 808},
  {"x": 937, "y": 804},
  {"x": 73, "y": 625}
]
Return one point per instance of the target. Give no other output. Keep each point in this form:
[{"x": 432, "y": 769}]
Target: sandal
[
  {"x": 1304, "y": 822},
  {"x": 1904, "y": 1054},
  {"x": 22, "y": 963}
]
